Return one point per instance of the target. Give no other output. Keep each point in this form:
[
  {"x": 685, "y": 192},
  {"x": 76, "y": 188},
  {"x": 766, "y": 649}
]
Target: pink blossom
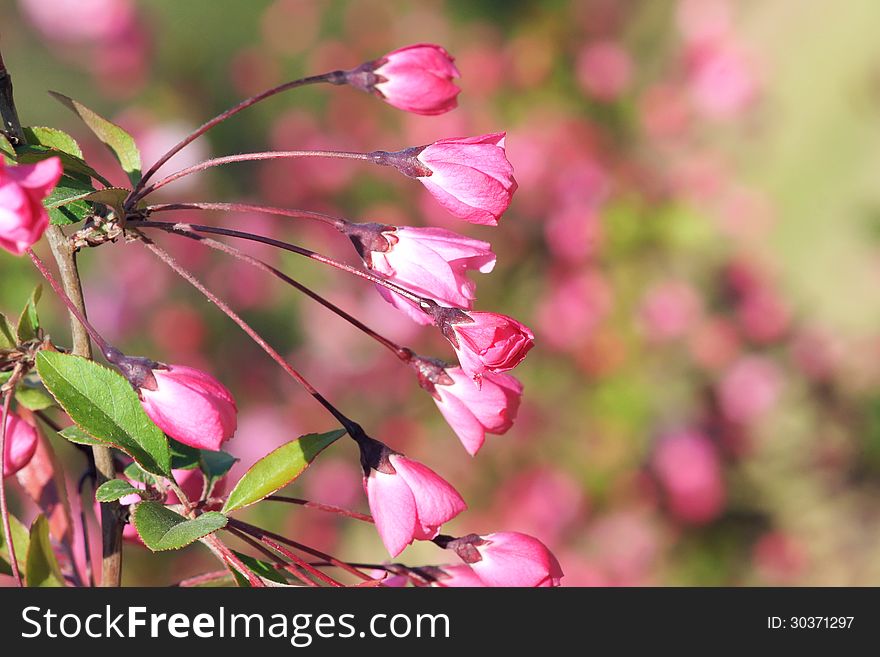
[
  {"x": 416, "y": 79},
  {"x": 408, "y": 500},
  {"x": 749, "y": 389},
  {"x": 473, "y": 411},
  {"x": 23, "y": 219},
  {"x": 20, "y": 445},
  {"x": 604, "y": 70},
  {"x": 430, "y": 262},
  {"x": 573, "y": 307},
  {"x": 80, "y": 20},
  {"x": 486, "y": 342},
  {"x": 469, "y": 176},
  {"x": 690, "y": 473},
  {"x": 191, "y": 406},
  {"x": 509, "y": 559},
  {"x": 543, "y": 501},
  {"x": 721, "y": 80},
  {"x": 669, "y": 309}
]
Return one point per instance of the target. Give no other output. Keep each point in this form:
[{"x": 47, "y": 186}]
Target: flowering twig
[
  {"x": 424, "y": 304},
  {"x": 264, "y": 545},
  {"x": 403, "y": 353},
  {"x": 350, "y": 426},
  {"x": 259, "y": 533},
  {"x": 333, "y": 77}
]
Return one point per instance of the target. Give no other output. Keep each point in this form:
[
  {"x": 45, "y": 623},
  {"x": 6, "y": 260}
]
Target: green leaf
[
  {"x": 20, "y": 539},
  {"x": 8, "y": 339},
  {"x": 76, "y": 435},
  {"x": 71, "y": 213},
  {"x": 214, "y": 466},
  {"x": 6, "y": 150},
  {"x": 31, "y": 394},
  {"x": 67, "y": 190},
  {"x": 41, "y": 568},
  {"x": 74, "y": 166},
  {"x": 117, "y": 140},
  {"x": 112, "y": 197},
  {"x": 262, "y": 568},
  {"x": 103, "y": 403},
  {"x": 183, "y": 457},
  {"x": 134, "y": 472},
  {"x": 278, "y": 468},
  {"x": 112, "y": 490},
  {"x": 53, "y": 138},
  {"x": 29, "y": 323},
  {"x": 163, "y": 529}
]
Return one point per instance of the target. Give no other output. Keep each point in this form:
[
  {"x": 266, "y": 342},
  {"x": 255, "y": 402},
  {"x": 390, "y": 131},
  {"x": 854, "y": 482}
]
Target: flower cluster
[{"x": 421, "y": 271}]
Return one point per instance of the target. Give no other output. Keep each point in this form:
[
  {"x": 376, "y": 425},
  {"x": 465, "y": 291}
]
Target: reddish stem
[
  {"x": 202, "y": 579},
  {"x": 168, "y": 227},
  {"x": 321, "y": 507},
  {"x": 244, "y": 157},
  {"x": 71, "y": 307},
  {"x": 290, "y": 568},
  {"x": 336, "y": 222},
  {"x": 260, "y": 533},
  {"x": 350, "y": 426},
  {"x": 403, "y": 353},
  {"x": 333, "y": 77}
]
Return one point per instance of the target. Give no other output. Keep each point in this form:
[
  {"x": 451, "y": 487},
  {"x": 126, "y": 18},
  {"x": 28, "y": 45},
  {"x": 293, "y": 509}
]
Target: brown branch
[{"x": 111, "y": 518}]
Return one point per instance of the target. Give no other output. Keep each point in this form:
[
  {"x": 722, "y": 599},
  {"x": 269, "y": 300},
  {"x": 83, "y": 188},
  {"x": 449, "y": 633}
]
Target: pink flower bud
[
  {"x": 408, "y": 500},
  {"x": 509, "y": 559},
  {"x": 457, "y": 576},
  {"x": 469, "y": 176},
  {"x": 431, "y": 262},
  {"x": 191, "y": 407},
  {"x": 485, "y": 341},
  {"x": 23, "y": 219},
  {"x": 473, "y": 411},
  {"x": 20, "y": 444},
  {"x": 416, "y": 79}
]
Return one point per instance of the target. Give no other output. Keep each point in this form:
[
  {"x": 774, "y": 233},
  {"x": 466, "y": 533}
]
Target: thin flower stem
[
  {"x": 336, "y": 222},
  {"x": 257, "y": 532},
  {"x": 403, "y": 353},
  {"x": 333, "y": 77},
  {"x": 103, "y": 345},
  {"x": 290, "y": 568},
  {"x": 245, "y": 157},
  {"x": 4, "y": 510},
  {"x": 320, "y": 507},
  {"x": 220, "y": 550},
  {"x": 169, "y": 227},
  {"x": 350, "y": 426},
  {"x": 204, "y": 578},
  {"x": 84, "y": 526},
  {"x": 262, "y": 549}
]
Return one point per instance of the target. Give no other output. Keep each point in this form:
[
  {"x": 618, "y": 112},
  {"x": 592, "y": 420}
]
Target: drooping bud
[
  {"x": 469, "y": 176},
  {"x": 408, "y": 500}
]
